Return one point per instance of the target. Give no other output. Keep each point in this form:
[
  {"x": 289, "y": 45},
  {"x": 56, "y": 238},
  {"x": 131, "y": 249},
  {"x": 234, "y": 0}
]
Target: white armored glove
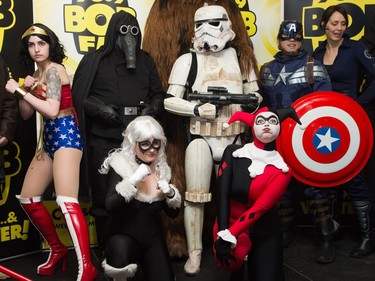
[
  {"x": 259, "y": 96},
  {"x": 166, "y": 188},
  {"x": 142, "y": 171},
  {"x": 207, "y": 111}
]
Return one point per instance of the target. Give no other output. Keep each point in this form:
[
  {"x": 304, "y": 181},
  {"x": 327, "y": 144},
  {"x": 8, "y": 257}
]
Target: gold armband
[{"x": 20, "y": 94}]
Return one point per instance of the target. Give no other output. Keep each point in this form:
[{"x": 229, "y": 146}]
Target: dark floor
[{"x": 299, "y": 263}]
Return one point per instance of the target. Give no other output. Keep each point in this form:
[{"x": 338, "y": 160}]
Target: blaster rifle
[{"x": 220, "y": 96}]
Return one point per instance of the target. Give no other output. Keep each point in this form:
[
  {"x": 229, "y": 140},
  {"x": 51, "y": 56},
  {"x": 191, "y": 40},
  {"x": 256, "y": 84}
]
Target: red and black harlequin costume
[{"x": 251, "y": 179}]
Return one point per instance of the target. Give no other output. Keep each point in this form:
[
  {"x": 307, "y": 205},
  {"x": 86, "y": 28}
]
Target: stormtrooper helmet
[{"x": 213, "y": 29}]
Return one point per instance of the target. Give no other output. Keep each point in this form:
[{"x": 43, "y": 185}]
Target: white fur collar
[{"x": 121, "y": 165}]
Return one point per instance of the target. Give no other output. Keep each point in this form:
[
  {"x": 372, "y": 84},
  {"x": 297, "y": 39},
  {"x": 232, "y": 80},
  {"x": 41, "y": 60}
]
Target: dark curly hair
[{"x": 56, "y": 49}]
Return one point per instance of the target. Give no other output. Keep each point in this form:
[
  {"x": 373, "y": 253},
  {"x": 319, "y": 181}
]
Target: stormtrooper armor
[{"x": 217, "y": 66}]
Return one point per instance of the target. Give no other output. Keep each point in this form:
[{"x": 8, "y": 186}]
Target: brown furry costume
[{"x": 168, "y": 34}]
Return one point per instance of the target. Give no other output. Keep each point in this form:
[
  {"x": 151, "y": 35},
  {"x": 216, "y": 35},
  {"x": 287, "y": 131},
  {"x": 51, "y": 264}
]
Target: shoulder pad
[
  {"x": 321, "y": 72},
  {"x": 180, "y": 70}
]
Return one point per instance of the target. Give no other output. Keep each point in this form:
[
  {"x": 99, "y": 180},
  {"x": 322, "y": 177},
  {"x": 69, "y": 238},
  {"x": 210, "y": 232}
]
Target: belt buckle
[{"x": 132, "y": 110}]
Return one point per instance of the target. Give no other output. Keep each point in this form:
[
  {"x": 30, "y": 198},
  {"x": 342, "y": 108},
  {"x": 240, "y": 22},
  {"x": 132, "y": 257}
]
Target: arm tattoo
[{"x": 53, "y": 80}]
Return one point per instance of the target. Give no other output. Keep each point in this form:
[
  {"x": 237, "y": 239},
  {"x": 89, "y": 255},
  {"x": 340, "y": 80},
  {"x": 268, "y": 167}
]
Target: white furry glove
[
  {"x": 142, "y": 171},
  {"x": 173, "y": 196},
  {"x": 166, "y": 188}
]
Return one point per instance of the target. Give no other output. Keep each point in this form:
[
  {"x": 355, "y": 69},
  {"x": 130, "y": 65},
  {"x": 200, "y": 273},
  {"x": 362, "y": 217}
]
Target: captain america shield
[{"x": 332, "y": 145}]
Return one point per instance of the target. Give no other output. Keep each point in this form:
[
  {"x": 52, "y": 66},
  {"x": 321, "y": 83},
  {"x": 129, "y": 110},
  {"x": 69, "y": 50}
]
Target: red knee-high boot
[
  {"x": 79, "y": 233},
  {"x": 42, "y": 220}
]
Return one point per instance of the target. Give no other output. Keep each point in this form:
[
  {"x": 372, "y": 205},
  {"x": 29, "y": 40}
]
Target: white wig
[{"x": 140, "y": 129}]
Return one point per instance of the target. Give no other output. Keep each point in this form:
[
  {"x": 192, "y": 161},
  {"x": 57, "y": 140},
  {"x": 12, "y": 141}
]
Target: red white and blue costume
[{"x": 63, "y": 131}]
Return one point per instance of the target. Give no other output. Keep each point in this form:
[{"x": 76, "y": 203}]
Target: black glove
[
  {"x": 152, "y": 106},
  {"x": 252, "y": 105},
  {"x": 96, "y": 108},
  {"x": 108, "y": 114},
  {"x": 250, "y": 108},
  {"x": 148, "y": 109},
  {"x": 223, "y": 252}
]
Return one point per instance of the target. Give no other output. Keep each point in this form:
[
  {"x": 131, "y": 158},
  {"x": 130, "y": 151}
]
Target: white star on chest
[{"x": 282, "y": 76}]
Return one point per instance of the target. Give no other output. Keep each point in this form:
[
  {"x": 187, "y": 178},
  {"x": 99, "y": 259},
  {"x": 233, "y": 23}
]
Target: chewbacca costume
[{"x": 168, "y": 34}]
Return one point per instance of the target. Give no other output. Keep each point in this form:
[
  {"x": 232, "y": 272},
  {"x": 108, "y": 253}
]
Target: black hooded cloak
[{"x": 104, "y": 75}]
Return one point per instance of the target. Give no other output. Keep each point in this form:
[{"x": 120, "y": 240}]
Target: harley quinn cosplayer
[
  {"x": 138, "y": 191},
  {"x": 251, "y": 179}
]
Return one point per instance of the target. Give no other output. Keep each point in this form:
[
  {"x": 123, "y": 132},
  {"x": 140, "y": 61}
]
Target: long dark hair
[
  {"x": 56, "y": 49},
  {"x": 329, "y": 12}
]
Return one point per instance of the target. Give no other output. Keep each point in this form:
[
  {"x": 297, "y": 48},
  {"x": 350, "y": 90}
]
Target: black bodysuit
[{"x": 136, "y": 234}]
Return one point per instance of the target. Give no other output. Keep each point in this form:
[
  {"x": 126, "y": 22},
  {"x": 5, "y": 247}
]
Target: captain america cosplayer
[
  {"x": 111, "y": 87},
  {"x": 291, "y": 75},
  {"x": 285, "y": 79},
  {"x": 251, "y": 179}
]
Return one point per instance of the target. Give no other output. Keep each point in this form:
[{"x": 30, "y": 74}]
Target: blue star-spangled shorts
[{"x": 62, "y": 132}]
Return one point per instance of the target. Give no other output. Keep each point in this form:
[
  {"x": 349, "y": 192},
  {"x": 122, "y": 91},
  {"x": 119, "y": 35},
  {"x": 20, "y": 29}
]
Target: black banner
[{"x": 17, "y": 236}]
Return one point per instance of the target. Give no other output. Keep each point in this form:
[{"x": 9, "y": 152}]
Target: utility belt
[
  {"x": 94, "y": 106},
  {"x": 215, "y": 128}
]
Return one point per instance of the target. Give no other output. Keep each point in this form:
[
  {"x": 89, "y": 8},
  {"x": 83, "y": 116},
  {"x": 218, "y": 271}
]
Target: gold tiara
[{"x": 34, "y": 30}]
